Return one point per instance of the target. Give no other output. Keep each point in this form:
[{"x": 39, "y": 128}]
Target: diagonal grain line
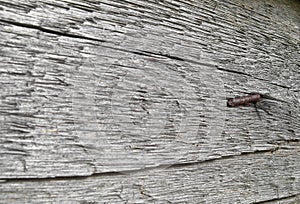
[
  {"x": 46, "y": 30},
  {"x": 54, "y": 32},
  {"x": 120, "y": 173},
  {"x": 58, "y": 178},
  {"x": 137, "y": 52},
  {"x": 277, "y": 199},
  {"x": 249, "y": 75},
  {"x": 234, "y": 71},
  {"x": 225, "y": 157}
]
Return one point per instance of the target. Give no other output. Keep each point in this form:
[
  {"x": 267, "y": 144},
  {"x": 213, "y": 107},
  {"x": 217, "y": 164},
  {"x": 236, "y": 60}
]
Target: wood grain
[
  {"x": 125, "y": 101},
  {"x": 251, "y": 178}
]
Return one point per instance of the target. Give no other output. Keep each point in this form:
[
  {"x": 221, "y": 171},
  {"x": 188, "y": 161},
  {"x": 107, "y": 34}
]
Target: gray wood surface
[{"x": 125, "y": 101}]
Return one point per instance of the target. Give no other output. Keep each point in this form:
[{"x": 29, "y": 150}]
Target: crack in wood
[
  {"x": 256, "y": 43},
  {"x": 284, "y": 198},
  {"x": 249, "y": 75},
  {"x": 50, "y": 31},
  {"x": 138, "y": 52},
  {"x": 79, "y": 177}
]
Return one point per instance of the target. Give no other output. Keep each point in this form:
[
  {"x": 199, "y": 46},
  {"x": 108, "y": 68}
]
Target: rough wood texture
[{"x": 125, "y": 101}]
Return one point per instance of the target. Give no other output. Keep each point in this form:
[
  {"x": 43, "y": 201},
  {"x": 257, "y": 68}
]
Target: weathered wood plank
[
  {"x": 239, "y": 179},
  {"x": 89, "y": 87},
  {"x": 109, "y": 108}
]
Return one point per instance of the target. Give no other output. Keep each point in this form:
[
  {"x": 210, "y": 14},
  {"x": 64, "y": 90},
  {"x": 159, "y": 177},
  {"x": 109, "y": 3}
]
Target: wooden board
[
  {"x": 126, "y": 101},
  {"x": 252, "y": 178}
]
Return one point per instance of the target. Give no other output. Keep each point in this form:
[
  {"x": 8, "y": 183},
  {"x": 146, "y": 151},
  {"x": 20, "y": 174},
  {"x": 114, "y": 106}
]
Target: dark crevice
[
  {"x": 224, "y": 157},
  {"x": 46, "y": 30},
  {"x": 147, "y": 53},
  {"x": 279, "y": 85},
  {"x": 138, "y": 52},
  {"x": 164, "y": 55},
  {"x": 119, "y": 173},
  {"x": 233, "y": 71},
  {"x": 151, "y": 54},
  {"x": 249, "y": 75},
  {"x": 282, "y": 86},
  {"x": 277, "y": 199},
  {"x": 59, "y": 178},
  {"x": 59, "y": 33}
]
